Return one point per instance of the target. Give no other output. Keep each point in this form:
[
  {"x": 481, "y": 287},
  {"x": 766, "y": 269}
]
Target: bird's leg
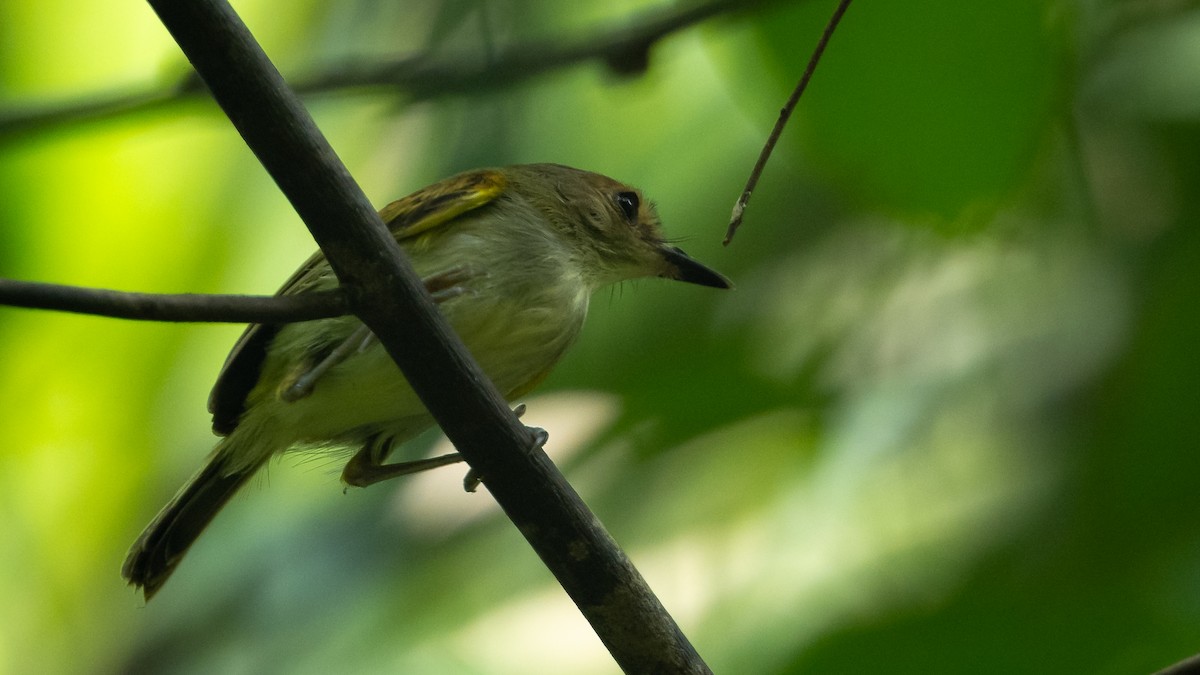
[
  {"x": 366, "y": 467},
  {"x": 442, "y": 286}
]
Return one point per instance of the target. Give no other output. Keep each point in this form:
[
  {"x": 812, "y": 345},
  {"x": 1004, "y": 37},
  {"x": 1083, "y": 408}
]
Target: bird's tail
[{"x": 163, "y": 543}]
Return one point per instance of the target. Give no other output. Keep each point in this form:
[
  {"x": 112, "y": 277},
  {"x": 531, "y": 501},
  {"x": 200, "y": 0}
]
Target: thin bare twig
[
  {"x": 739, "y": 209},
  {"x": 174, "y": 307}
]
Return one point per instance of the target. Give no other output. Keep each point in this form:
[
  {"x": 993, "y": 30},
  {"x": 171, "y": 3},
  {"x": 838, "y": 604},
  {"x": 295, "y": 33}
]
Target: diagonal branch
[
  {"x": 624, "y": 48},
  {"x": 387, "y": 295},
  {"x": 175, "y": 307}
]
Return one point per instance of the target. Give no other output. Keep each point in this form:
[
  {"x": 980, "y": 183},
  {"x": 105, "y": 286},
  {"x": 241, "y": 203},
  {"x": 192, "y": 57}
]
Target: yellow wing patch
[{"x": 442, "y": 202}]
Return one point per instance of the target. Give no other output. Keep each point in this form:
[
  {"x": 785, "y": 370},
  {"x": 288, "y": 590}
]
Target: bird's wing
[{"x": 422, "y": 211}]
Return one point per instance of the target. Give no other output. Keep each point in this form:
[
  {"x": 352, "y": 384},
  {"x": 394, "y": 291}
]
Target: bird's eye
[{"x": 628, "y": 202}]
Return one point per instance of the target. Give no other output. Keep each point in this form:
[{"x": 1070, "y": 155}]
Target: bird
[{"x": 511, "y": 255}]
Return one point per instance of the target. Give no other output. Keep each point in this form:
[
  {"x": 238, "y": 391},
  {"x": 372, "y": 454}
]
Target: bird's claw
[{"x": 538, "y": 435}]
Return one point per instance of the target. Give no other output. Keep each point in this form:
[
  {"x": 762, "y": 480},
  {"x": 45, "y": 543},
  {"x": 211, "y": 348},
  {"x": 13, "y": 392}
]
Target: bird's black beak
[{"x": 685, "y": 268}]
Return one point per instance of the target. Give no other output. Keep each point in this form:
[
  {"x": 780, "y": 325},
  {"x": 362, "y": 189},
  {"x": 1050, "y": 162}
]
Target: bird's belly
[{"x": 516, "y": 344}]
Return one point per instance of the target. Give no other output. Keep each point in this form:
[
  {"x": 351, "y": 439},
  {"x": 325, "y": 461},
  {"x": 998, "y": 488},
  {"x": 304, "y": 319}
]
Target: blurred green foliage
[{"x": 942, "y": 424}]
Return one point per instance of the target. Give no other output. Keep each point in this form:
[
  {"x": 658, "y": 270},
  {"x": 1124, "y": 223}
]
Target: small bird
[{"x": 511, "y": 255}]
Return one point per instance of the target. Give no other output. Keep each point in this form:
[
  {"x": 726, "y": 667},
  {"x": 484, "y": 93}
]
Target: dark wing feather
[{"x": 239, "y": 374}]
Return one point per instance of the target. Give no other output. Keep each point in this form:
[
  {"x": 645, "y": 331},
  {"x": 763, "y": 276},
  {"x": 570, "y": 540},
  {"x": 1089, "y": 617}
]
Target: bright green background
[{"x": 946, "y": 422}]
